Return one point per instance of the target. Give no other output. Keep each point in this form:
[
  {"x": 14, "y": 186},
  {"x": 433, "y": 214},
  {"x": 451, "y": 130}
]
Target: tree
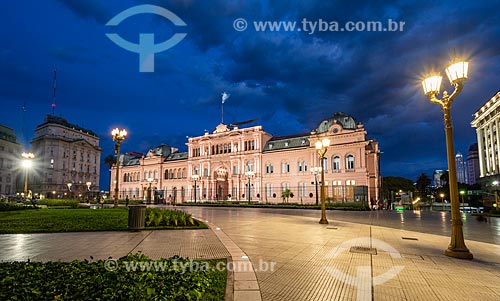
[
  {"x": 285, "y": 195},
  {"x": 423, "y": 183},
  {"x": 396, "y": 184},
  {"x": 110, "y": 161}
]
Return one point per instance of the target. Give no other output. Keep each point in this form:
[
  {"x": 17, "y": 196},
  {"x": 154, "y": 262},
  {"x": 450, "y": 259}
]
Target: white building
[
  {"x": 486, "y": 122},
  {"x": 64, "y": 153},
  {"x": 9, "y": 157}
]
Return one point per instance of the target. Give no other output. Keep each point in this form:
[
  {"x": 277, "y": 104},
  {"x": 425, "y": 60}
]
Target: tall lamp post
[
  {"x": 462, "y": 192},
  {"x": 322, "y": 147},
  {"x": 69, "y": 188},
  {"x": 457, "y": 74},
  {"x": 27, "y": 164},
  {"x": 249, "y": 175},
  {"x": 441, "y": 195},
  {"x": 495, "y": 183},
  {"x": 150, "y": 181},
  {"x": 118, "y": 136},
  {"x": 88, "y": 190},
  {"x": 195, "y": 178},
  {"x": 315, "y": 171}
]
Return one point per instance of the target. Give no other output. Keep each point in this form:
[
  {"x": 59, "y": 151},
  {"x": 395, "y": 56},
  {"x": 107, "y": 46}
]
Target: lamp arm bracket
[
  {"x": 458, "y": 88},
  {"x": 434, "y": 99}
]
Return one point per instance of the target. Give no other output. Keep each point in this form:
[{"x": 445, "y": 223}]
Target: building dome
[
  {"x": 347, "y": 122},
  {"x": 161, "y": 150}
]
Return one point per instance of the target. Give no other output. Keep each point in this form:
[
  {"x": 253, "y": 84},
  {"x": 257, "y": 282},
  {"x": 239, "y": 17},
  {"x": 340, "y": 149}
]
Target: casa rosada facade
[{"x": 241, "y": 164}]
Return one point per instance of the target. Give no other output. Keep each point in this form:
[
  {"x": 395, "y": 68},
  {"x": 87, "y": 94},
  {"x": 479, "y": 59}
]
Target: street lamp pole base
[
  {"x": 459, "y": 253},
  {"x": 323, "y": 221}
]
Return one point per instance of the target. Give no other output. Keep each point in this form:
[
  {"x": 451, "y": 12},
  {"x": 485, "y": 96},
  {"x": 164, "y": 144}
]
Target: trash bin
[{"x": 136, "y": 217}]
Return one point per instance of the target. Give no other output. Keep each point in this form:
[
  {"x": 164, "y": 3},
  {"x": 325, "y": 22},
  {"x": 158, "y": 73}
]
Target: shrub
[
  {"x": 59, "y": 203},
  {"x": 83, "y": 280},
  {"x": 165, "y": 217}
]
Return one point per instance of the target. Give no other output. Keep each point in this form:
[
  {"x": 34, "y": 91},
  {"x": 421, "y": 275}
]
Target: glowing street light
[
  {"x": 322, "y": 147},
  {"x": 457, "y": 74},
  {"x": 118, "y": 136},
  {"x": 27, "y": 164}
]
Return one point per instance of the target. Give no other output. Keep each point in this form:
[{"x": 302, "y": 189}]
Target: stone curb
[{"x": 242, "y": 282}]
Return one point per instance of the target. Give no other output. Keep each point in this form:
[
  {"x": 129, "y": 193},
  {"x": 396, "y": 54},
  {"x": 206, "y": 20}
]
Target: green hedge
[
  {"x": 329, "y": 206},
  {"x": 165, "y": 217},
  {"x": 83, "y": 280},
  {"x": 59, "y": 203},
  {"x": 13, "y": 207}
]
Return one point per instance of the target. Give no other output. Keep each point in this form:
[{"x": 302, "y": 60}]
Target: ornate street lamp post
[
  {"x": 27, "y": 164},
  {"x": 495, "y": 183},
  {"x": 118, "y": 136},
  {"x": 322, "y": 147},
  {"x": 315, "y": 171},
  {"x": 150, "y": 181},
  {"x": 457, "y": 74},
  {"x": 195, "y": 178},
  {"x": 88, "y": 190},
  {"x": 69, "y": 188},
  {"x": 249, "y": 175}
]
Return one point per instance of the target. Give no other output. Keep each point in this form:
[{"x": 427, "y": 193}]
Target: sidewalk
[
  {"x": 295, "y": 258},
  {"x": 317, "y": 262}
]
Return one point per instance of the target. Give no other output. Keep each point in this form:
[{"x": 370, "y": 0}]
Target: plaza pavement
[{"x": 294, "y": 258}]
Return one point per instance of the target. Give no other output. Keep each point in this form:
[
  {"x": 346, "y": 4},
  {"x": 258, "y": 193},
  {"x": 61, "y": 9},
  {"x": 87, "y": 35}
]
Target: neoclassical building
[
  {"x": 64, "y": 153},
  {"x": 486, "y": 122},
  {"x": 239, "y": 164},
  {"x": 9, "y": 160}
]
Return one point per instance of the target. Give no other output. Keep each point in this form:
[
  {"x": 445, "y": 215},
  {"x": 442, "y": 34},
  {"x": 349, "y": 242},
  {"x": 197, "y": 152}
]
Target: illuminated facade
[
  {"x": 242, "y": 164},
  {"x": 9, "y": 160},
  {"x": 64, "y": 153},
  {"x": 486, "y": 122}
]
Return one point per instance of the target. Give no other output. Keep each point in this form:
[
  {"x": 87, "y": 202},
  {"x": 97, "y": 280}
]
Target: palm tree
[
  {"x": 285, "y": 195},
  {"x": 110, "y": 161}
]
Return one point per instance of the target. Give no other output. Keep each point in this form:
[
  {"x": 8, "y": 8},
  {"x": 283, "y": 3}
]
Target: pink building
[{"x": 239, "y": 164}]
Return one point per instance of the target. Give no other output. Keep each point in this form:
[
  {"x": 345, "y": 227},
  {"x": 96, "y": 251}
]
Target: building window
[
  {"x": 336, "y": 163},
  {"x": 325, "y": 164},
  {"x": 235, "y": 170},
  {"x": 205, "y": 172},
  {"x": 285, "y": 167},
  {"x": 304, "y": 165},
  {"x": 249, "y": 165},
  {"x": 269, "y": 168},
  {"x": 303, "y": 189},
  {"x": 269, "y": 190},
  {"x": 51, "y": 163},
  {"x": 350, "y": 162},
  {"x": 300, "y": 166}
]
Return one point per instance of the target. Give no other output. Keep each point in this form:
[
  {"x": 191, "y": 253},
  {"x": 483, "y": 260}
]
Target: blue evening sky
[{"x": 290, "y": 81}]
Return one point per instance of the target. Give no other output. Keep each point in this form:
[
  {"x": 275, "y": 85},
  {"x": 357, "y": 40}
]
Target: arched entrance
[{"x": 221, "y": 184}]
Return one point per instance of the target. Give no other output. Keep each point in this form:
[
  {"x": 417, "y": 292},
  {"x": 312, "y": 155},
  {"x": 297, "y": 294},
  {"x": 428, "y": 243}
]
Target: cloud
[{"x": 92, "y": 9}]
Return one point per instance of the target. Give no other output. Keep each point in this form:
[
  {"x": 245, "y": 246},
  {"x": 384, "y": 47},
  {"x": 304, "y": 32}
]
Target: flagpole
[{"x": 222, "y": 106}]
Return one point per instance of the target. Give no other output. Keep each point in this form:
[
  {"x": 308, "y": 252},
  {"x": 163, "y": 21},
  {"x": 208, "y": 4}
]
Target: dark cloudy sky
[{"x": 290, "y": 81}]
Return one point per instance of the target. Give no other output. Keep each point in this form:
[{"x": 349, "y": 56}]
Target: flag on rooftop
[{"x": 225, "y": 96}]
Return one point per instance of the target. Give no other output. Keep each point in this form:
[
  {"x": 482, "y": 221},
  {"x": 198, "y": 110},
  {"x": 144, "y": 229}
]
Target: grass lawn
[
  {"x": 63, "y": 220},
  {"x": 70, "y": 220}
]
